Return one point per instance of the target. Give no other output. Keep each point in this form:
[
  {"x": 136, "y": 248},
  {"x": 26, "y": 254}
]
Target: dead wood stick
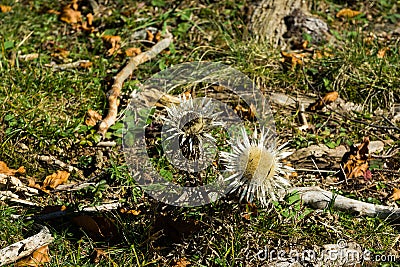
[
  {"x": 25, "y": 247},
  {"x": 321, "y": 199},
  {"x": 71, "y": 65},
  {"x": 115, "y": 91}
]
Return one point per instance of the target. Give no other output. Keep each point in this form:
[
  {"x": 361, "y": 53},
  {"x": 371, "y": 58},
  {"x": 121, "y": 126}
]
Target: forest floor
[{"x": 43, "y": 119}]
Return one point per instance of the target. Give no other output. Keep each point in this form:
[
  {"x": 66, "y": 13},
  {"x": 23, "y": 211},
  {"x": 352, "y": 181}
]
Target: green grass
[{"x": 44, "y": 109}]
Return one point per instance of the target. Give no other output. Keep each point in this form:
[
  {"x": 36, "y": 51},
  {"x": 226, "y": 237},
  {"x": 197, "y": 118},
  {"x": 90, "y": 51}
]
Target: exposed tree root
[{"x": 115, "y": 91}]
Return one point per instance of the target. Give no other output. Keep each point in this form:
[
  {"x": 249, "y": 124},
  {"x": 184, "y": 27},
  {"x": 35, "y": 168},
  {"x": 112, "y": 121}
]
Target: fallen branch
[
  {"x": 25, "y": 247},
  {"x": 115, "y": 91},
  {"x": 320, "y": 199}
]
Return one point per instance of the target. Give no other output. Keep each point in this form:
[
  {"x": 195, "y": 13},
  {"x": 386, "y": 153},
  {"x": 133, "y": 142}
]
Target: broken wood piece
[
  {"x": 318, "y": 198},
  {"x": 106, "y": 144},
  {"x": 114, "y": 93},
  {"x": 25, "y": 247}
]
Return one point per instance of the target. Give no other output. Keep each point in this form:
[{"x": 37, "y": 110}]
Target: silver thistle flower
[
  {"x": 256, "y": 168},
  {"x": 189, "y": 124}
]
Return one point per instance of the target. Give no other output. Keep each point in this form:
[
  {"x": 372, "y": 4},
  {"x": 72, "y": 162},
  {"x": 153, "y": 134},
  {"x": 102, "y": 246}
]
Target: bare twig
[
  {"x": 71, "y": 65},
  {"x": 52, "y": 160},
  {"x": 25, "y": 247},
  {"x": 115, "y": 91},
  {"x": 321, "y": 199}
]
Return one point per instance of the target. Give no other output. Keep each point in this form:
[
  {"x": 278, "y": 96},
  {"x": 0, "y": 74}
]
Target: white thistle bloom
[
  {"x": 191, "y": 122},
  {"x": 256, "y": 168}
]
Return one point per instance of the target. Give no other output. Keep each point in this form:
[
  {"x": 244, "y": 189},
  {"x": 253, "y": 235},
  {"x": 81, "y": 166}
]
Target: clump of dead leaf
[
  {"x": 92, "y": 117},
  {"x": 112, "y": 42},
  {"x": 5, "y": 9},
  {"x": 70, "y": 14},
  {"x": 38, "y": 258},
  {"x": 355, "y": 162},
  {"x": 51, "y": 181}
]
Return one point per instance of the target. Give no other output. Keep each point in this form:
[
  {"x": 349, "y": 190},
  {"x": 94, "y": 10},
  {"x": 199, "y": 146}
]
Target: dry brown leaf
[
  {"x": 396, "y": 194},
  {"x": 7, "y": 171},
  {"x": 293, "y": 58},
  {"x": 60, "y": 53},
  {"x": 111, "y": 42},
  {"x": 97, "y": 255},
  {"x": 150, "y": 36},
  {"x": 326, "y": 100},
  {"x": 133, "y": 212},
  {"x": 182, "y": 262},
  {"x": 86, "y": 65},
  {"x": 75, "y": 4},
  {"x": 52, "y": 11},
  {"x": 246, "y": 113},
  {"x": 92, "y": 117},
  {"x": 5, "y": 9},
  {"x": 133, "y": 51},
  {"x": 382, "y": 52},
  {"x": 70, "y": 15},
  {"x": 157, "y": 38},
  {"x": 38, "y": 258},
  {"x": 97, "y": 227},
  {"x": 347, "y": 13},
  {"x": 56, "y": 179},
  {"x": 355, "y": 162},
  {"x": 89, "y": 18}
]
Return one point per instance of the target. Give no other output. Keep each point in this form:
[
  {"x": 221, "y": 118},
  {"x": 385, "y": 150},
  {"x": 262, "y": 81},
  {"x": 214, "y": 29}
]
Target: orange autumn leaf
[
  {"x": 70, "y": 15},
  {"x": 7, "y": 171},
  {"x": 60, "y": 53},
  {"x": 97, "y": 255},
  {"x": 86, "y": 65},
  {"x": 347, "y": 13},
  {"x": 5, "y": 9},
  {"x": 396, "y": 194},
  {"x": 92, "y": 117},
  {"x": 56, "y": 179},
  {"x": 111, "y": 42},
  {"x": 382, "y": 52},
  {"x": 75, "y": 4},
  {"x": 326, "y": 100},
  {"x": 182, "y": 262},
  {"x": 150, "y": 36},
  {"x": 247, "y": 113},
  {"x": 293, "y": 58},
  {"x": 133, "y": 51},
  {"x": 89, "y": 18},
  {"x": 38, "y": 258},
  {"x": 355, "y": 162},
  {"x": 157, "y": 38}
]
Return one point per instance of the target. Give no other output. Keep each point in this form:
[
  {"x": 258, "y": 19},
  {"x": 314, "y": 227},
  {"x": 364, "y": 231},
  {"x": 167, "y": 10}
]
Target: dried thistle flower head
[
  {"x": 191, "y": 121},
  {"x": 256, "y": 168}
]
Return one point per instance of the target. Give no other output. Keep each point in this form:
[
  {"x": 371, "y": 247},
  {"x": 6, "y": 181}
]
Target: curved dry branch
[
  {"x": 115, "y": 91},
  {"x": 25, "y": 247},
  {"x": 321, "y": 199}
]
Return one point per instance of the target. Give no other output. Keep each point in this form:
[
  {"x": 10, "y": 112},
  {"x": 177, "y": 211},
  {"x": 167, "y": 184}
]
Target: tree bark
[{"x": 281, "y": 21}]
